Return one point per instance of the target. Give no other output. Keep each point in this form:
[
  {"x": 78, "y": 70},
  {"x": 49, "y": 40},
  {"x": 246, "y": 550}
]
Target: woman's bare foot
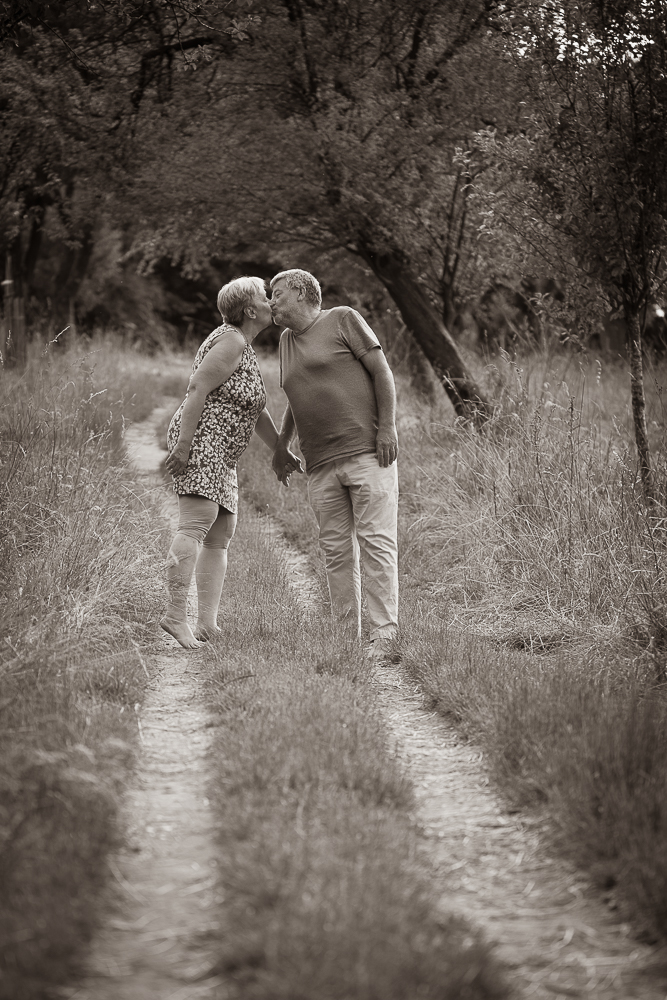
[
  {"x": 181, "y": 632},
  {"x": 206, "y": 632}
]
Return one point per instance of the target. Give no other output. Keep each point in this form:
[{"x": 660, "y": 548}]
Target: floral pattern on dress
[{"x": 224, "y": 429}]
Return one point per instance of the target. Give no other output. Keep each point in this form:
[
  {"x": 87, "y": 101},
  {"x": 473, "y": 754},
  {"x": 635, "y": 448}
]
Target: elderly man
[{"x": 342, "y": 405}]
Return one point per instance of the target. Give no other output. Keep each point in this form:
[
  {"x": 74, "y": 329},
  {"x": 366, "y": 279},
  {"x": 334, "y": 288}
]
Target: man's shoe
[{"x": 380, "y": 651}]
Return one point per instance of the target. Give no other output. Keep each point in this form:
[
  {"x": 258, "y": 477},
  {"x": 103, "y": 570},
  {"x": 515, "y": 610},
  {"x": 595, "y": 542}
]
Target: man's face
[{"x": 284, "y": 303}]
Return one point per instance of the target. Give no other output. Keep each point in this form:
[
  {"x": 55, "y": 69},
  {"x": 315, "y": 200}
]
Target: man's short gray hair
[
  {"x": 304, "y": 282},
  {"x": 236, "y": 295}
]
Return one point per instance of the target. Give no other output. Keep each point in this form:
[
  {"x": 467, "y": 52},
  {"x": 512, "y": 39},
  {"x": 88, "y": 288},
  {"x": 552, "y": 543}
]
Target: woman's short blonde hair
[
  {"x": 304, "y": 281},
  {"x": 236, "y": 295}
]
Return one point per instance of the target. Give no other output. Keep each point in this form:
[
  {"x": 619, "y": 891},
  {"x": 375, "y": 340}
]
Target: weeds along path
[
  {"x": 550, "y": 927},
  {"x": 155, "y": 946}
]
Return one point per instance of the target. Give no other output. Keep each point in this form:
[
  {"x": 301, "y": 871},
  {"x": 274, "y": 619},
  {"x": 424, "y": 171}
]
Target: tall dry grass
[
  {"x": 537, "y": 574},
  {"x": 534, "y": 601},
  {"x": 79, "y": 544},
  {"x": 545, "y": 507}
]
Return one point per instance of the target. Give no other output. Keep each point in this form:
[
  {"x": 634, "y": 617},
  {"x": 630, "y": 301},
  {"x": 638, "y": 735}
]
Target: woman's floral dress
[{"x": 224, "y": 429}]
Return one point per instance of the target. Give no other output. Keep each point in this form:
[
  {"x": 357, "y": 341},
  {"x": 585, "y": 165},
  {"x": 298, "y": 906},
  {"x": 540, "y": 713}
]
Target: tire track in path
[
  {"x": 158, "y": 944},
  {"x": 550, "y": 928},
  {"x": 549, "y": 925}
]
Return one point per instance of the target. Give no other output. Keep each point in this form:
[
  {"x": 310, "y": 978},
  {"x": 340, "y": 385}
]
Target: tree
[
  {"x": 73, "y": 75},
  {"x": 337, "y": 126},
  {"x": 585, "y": 183}
]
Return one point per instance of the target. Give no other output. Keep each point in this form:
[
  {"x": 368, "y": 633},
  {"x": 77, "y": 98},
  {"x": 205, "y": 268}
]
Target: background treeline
[
  {"x": 485, "y": 170},
  {"x": 472, "y": 176}
]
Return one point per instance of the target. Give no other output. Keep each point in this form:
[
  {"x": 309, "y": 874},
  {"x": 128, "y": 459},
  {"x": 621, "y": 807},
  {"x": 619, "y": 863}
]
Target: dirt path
[
  {"x": 553, "y": 932},
  {"x": 157, "y": 947},
  {"x": 551, "y": 929}
]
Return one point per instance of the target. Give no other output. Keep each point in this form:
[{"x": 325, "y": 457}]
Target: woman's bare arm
[
  {"x": 219, "y": 364},
  {"x": 266, "y": 429}
]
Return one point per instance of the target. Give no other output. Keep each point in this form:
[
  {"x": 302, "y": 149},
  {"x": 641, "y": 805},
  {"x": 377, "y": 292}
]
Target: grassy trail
[
  {"x": 157, "y": 941},
  {"x": 547, "y": 922},
  {"x": 80, "y": 597},
  {"x": 488, "y": 867},
  {"x": 193, "y": 921},
  {"x": 353, "y": 844},
  {"x": 493, "y": 867}
]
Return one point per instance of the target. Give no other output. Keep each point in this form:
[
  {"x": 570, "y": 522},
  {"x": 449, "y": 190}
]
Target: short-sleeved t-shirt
[{"x": 330, "y": 392}]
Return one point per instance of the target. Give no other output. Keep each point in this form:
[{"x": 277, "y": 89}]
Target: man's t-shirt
[{"x": 331, "y": 394}]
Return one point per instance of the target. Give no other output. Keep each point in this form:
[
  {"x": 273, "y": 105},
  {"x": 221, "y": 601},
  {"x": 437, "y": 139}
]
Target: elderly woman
[{"x": 224, "y": 404}]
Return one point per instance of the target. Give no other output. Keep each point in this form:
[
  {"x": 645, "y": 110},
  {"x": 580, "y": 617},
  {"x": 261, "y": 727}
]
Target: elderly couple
[{"x": 341, "y": 405}]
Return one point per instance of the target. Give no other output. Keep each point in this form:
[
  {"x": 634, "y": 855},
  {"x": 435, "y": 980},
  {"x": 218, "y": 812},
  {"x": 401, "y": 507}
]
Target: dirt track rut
[
  {"x": 549, "y": 927},
  {"x": 157, "y": 945}
]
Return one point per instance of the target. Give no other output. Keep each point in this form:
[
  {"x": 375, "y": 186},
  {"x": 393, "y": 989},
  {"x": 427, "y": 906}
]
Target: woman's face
[{"x": 263, "y": 308}]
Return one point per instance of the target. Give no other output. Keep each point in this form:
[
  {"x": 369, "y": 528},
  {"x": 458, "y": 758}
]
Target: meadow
[
  {"x": 325, "y": 892},
  {"x": 534, "y": 600},
  {"x": 80, "y": 596},
  {"x": 533, "y": 615}
]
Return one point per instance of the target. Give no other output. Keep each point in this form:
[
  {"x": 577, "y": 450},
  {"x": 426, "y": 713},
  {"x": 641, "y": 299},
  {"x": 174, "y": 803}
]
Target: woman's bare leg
[
  {"x": 211, "y": 570},
  {"x": 181, "y": 562}
]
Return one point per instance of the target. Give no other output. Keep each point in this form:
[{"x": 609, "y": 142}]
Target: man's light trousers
[{"x": 356, "y": 504}]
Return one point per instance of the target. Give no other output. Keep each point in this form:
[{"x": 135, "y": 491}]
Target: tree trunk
[
  {"x": 421, "y": 372},
  {"x": 639, "y": 400},
  {"x": 33, "y": 249},
  {"x": 13, "y": 348},
  {"x": 430, "y": 333},
  {"x": 73, "y": 267}
]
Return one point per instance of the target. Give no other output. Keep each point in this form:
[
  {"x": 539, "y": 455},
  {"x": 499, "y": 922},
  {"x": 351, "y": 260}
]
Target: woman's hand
[
  {"x": 284, "y": 463},
  {"x": 178, "y": 459}
]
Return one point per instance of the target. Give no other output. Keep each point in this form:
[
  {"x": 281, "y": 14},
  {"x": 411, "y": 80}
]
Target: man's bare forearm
[
  {"x": 385, "y": 398},
  {"x": 386, "y": 441},
  {"x": 284, "y": 462}
]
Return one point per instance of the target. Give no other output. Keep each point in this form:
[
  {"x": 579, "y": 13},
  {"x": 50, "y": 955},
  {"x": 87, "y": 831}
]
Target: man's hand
[
  {"x": 178, "y": 459},
  {"x": 386, "y": 446},
  {"x": 284, "y": 463}
]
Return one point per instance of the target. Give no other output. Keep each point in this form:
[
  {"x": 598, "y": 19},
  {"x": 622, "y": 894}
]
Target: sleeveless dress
[{"x": 224, "y": 429}]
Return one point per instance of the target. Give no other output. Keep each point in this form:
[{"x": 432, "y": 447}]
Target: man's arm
[
  {"x": 282, "y": 456},
  {"x": 386, "y": 440},
  {"x": 287, "y": 428}
]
